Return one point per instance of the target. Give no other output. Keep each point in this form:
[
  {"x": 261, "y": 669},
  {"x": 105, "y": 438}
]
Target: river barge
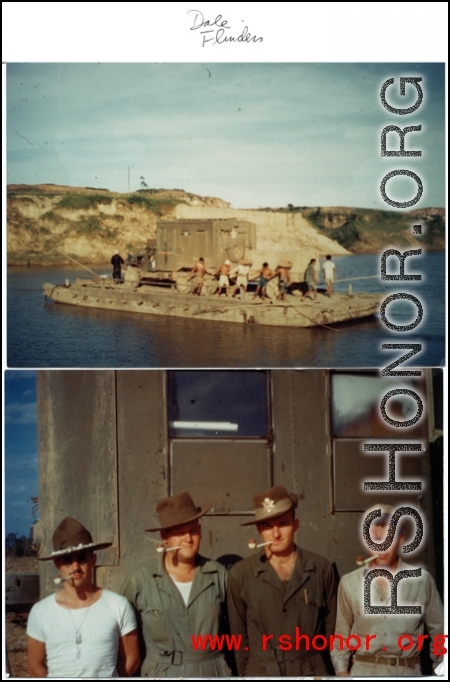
[{"x": 147, "y": 299}]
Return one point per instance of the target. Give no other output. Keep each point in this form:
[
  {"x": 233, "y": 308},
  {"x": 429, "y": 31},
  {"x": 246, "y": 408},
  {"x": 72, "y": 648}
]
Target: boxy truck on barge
[
  {"x": 180, "y": 243},
  {"x": 113, "y": 443}
]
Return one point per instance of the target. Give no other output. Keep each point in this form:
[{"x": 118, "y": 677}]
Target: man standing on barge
[
  {"x": 329, "y": 273},
  {"x": 117, "y": 262}
]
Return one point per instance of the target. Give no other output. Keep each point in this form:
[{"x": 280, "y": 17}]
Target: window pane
[
  {"x": 355, "y": 406},
  {"x": 217, "y": 403}
]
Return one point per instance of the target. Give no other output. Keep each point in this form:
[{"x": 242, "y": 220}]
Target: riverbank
[{"x": 90, "y": 224}]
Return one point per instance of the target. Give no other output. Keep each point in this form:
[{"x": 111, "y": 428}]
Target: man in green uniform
[
  {"x": 278, "y": 595},
  {"x": 179, "y": 595}
]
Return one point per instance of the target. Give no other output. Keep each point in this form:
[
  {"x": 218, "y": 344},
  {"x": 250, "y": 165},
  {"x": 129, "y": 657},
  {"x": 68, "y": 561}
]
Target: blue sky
[
  {"x": 21, "y": 471},
  {"x": 253, "y": 134}
]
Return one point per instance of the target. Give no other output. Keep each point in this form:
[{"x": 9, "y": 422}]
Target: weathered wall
[
  {"x": 104, "y": 458},
  {"x": 78, "y": 457}
]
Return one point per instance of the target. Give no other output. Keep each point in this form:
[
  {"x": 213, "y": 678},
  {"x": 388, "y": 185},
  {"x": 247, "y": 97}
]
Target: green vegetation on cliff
[
  {"x": 435, "y": 231},
  {"x": 158, "y": 205},
  {"x": 365, "y": 230},
  {"x": 89, "y": 224},
  {"x": 83, "y": 201}
]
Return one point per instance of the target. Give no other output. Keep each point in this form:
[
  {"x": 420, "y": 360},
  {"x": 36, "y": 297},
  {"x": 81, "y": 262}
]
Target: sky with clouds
[{"x": 253, "y": 134}]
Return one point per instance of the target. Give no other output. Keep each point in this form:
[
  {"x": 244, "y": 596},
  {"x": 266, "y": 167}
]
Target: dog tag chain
[{"x": 78, "y": 637}]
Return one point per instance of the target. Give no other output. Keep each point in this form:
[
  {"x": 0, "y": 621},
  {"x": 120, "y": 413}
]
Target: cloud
[
  {"x": 248, "y": 129},
  {"x": 21, "y": 463},
  {"x": 21, "y": 413},
  {"x": 16, "y": 489}
]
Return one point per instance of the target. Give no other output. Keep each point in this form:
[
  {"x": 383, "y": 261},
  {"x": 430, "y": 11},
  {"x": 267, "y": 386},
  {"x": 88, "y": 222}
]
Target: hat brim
[
  {"x": 290, "y": 504},
  {"x": 74, "y": 550},
  {"x": 203, "y": 509}
]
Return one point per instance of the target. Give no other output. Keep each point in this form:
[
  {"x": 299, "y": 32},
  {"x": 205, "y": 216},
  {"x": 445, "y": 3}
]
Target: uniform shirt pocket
[{"x": 155, "y": 627}]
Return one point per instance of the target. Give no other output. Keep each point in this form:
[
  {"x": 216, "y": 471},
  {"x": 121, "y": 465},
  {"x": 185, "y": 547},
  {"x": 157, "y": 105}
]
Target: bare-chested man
[
  {"x": 265, "y": 274},
  {"x": 198, "y": 271},
  {"x": 224, "y": 277},
  {"x": 284, "y": 281}
]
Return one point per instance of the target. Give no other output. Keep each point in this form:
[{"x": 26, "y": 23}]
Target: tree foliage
[
  {"x": 434, "y": 230},
  {"x": 19, "y": 546},
  {"x": 346, "y": 235}
]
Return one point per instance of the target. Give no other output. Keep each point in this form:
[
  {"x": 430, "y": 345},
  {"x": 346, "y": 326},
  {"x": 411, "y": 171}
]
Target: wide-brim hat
[
  {"x": 272, "y": 503},
  {"x": 177, "y": 510},
  {"x": 246, "y": 261},
  {"x": 70, "y": 537},
  {"x": 285, "y": 264}
]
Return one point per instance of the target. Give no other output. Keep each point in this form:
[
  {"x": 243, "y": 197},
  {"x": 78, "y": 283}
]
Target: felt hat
[
  {"x": 177, "y": 510},
  {"x": 272, "y": 503},
  {"x": 70, "y": 537}
]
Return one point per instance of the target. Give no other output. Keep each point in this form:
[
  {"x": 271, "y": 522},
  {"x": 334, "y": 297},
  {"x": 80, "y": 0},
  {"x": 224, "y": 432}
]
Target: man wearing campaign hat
[
  {"x": 395, "y": 644},
  {"x": 179, "y": 595},
  {"x": 83, "y": 630},
  {"x": 279, "y": 594}
]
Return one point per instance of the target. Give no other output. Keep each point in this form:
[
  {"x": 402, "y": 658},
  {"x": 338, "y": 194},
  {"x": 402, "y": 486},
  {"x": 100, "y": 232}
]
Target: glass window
[
  {"x": 355, "y": 406},
  {"x": 217, "y": 403}
]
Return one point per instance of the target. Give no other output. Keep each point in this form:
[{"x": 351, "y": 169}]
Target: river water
[{"x": 45, "y": 334}]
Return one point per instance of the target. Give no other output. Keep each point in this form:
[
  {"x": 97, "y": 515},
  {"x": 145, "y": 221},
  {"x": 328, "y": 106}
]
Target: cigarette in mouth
[
  {"x": 361, "y": 561},
  {"x": 59, "y": 579},
  {"x": 162, "y": 548},
  {"x": 252, "y": 544}
]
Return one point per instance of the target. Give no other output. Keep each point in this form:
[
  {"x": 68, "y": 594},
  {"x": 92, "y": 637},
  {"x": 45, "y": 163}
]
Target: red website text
[{"x": 317, "y": 643}]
